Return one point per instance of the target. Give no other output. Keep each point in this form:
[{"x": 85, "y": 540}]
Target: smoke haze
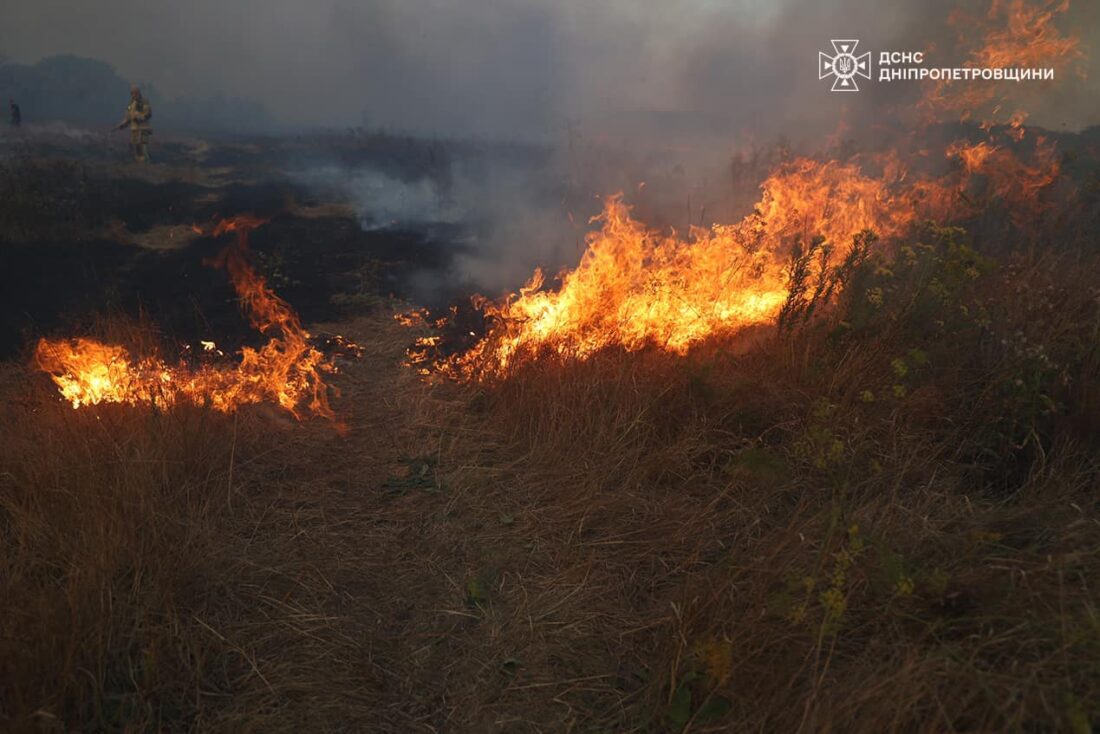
[
  {"x": 521, "y": 69},
  {"x": 656, "y": 99}
]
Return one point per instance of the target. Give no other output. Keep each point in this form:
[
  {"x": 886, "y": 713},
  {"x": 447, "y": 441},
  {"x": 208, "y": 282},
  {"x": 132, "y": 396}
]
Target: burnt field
[
  {"x": 84, "y": 237},
  {"x": 829, "y": 466}
]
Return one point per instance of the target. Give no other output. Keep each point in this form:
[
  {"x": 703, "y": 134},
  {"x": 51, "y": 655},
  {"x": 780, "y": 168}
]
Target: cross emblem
[{"x": 844, "y": 66}]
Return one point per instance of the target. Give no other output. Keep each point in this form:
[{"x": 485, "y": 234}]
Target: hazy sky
[{"x": 505, "y": 67}]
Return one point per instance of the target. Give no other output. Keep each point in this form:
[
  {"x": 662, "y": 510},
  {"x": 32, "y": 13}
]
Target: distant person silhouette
[
  {"x": 137, "y": 117},
  {"x": 16, "y": 115}
]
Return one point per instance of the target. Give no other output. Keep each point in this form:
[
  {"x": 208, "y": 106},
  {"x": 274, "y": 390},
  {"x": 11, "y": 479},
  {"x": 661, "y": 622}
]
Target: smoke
[
  {"x": 383, "y": 201},
  {"x": 652, "y": 98},
  {"x": 526, "y": 69},
  {"x": 506, "y": 210},
  {"x": 502, "y": 211}
]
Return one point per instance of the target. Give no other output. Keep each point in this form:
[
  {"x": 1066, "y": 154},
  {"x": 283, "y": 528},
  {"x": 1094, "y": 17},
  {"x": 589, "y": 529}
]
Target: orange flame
[
  {"x": 285, "y": 371},
  {"x": 636, "y": 288},
  {"x": 1015, "y": 34},
  {"x": 1009, "y": 179}
]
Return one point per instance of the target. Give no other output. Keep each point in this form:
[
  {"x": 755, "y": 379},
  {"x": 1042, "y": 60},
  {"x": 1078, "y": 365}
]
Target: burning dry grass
[
  {"x": 863, "y": 523},
  {"x": 286, "y": 371},
  {"x": 109, "y": 521},
  {"x": 868, "y": 527},
  {"x": 878, "y": 516},
  {"x": 176, "y": 567},
  {"x": 636, "y": 286},
  {"x": 645, "y": 507}
]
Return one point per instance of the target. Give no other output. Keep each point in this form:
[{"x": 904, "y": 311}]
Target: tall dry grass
[
  {"x": 186, "y": 570},
  {"x": 881, "y": 518},
  {"x": 109, "y": 523},
  {"x": 127, "y": 585}
]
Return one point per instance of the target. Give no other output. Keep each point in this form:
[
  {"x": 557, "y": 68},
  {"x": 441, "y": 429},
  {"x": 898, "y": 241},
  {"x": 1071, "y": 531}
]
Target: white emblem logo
[{"x": 844, "y": 65}]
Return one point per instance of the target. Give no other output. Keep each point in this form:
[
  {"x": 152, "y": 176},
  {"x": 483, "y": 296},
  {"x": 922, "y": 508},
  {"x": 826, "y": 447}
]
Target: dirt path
[
  {"x": 320, "y": 544},
  {"x": 380, "y": 597},
  {"x": 352, "y": 576}
]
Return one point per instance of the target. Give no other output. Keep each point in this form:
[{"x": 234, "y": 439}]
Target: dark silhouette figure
[{"x": 16, "y": 115}]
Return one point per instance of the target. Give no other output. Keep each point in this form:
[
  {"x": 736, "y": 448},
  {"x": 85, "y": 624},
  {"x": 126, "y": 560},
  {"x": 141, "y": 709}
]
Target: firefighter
[
  {"x": 138, "y": 114},
  {"x": 16, "y": 115}
]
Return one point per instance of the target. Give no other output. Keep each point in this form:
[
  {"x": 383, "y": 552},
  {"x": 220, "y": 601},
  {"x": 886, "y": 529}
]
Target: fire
[
  {"x": 287, "y": 370},
  {"x": 1011, "y": 180},
  {"x": 1012, "y": 34},
  {"x": 88, "y": 372},
  {"x": 636, "y": 288}
]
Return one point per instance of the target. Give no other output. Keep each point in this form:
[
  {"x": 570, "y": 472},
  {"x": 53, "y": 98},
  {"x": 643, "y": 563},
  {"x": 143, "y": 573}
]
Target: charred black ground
[{"x": 62, "y": 261}]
